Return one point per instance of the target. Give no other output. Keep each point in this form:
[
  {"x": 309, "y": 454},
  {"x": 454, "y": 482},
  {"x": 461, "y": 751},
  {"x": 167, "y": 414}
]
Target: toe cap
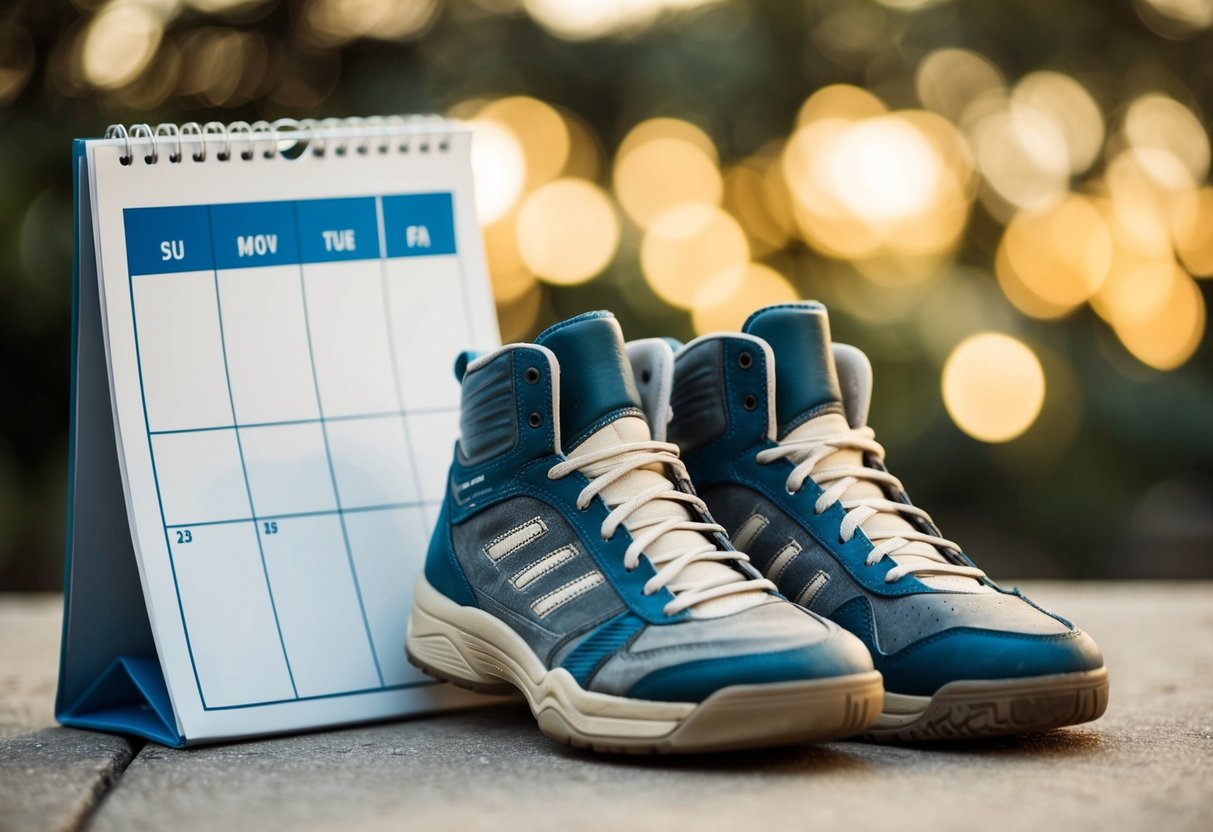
[
  {"x": 840, "y": 654},
  {"x": 972, "y": 654}
]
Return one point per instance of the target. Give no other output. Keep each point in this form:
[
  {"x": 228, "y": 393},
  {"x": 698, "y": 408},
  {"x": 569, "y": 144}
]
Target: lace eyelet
[
  {"x": 531, "y": 375},
  {"x": 745, "y": 361},
  {"x": 535, "y": 419},
  {"x": 749, "y": 402}
]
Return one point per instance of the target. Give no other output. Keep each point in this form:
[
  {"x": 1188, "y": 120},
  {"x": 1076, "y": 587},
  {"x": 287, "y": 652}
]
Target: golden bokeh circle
[
  {"x": 723, "y": 303},
  {"x": 1052, "y": 260},
  {"x": 993, "y": 386},
  {"x": 541, "y": 132},
  {"x": 568, "y": 231},
  {"x": 1167, "y": 338},
  {"x": 663, "y": 173},
  {"x": 690, "y": 245}
]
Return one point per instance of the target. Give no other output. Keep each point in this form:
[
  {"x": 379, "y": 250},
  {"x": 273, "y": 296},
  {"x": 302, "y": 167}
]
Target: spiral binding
[{"x": 284, "y": 137}]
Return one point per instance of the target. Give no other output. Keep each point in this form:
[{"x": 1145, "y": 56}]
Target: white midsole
[
  {"x": 900, "y": 709},
  {"x": 471, "y": 644}
]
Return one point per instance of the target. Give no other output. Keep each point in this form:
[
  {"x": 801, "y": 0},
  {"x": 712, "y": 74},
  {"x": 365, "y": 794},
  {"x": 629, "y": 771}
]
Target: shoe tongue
[
  {"x": 595, "y": 374},
  {"x": 805, "y": 377}
]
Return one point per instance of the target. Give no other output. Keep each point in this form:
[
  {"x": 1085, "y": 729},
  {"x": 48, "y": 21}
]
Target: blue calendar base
[{"x": 128, "y": 698}]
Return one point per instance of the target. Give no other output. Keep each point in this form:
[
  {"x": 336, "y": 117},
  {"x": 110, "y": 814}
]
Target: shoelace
[
  {"x": 835, "y": 482},
  {"x": 629, "y": 457}
]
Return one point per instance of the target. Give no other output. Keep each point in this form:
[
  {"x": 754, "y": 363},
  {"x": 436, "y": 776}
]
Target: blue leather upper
[
  {"x": 523, "y": 471},
  {"x": 595, "y": 375},
  {"x": 807, "y": 385},
  {"x": 697, "y": 680},
  {"x": 731, "y": 459},
  {"x": 966, "y": 653}
]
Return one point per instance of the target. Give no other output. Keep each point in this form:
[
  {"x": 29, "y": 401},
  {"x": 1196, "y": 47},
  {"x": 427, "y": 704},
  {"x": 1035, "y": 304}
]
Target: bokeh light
[
  {"x": 1192, "y": 231},
  {"x": 510, "y": 276},
  {"x": 1176, "y": 18},
  {"x": 119, "y": 44},
  {"x": 567, "y": 231},
  {"x": 662, "y": 164},
  {"x": 1167, "y": 336},
  {"x": 588, "y": 19},
  {"x": 948, "y": 80},
  {"x": 1167, "y": 141},
  {"x": 690, "y": 246},
  {"x": 1066, "y": 104},
  {"x": 993, "y": 387},
  {"x": 499, "y": 167},
  {"x": 756, "y": 194},
  {"x": 540, "y": 131},
  {"x": 723, "y": 302},
  {"x": 16, "y": 61},
  {"x": 1052, "y": 260},
  {"x": 867, "y": 183},
  {"x": 333, "y": 22}
]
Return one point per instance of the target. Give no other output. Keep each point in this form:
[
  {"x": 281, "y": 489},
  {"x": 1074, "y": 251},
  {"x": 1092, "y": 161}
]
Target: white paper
[{"x": 284, "y": 428}]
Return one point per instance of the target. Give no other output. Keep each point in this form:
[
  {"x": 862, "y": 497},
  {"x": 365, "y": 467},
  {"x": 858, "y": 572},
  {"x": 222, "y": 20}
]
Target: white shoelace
[
  {"x": 631, "y": 456},
  {"x": 807, "y": 453}
]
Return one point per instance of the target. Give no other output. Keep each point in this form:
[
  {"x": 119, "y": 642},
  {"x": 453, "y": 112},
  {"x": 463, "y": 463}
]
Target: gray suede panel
[
  {"x": 732, "y": 505},
  {"x": 768, "y": 628},
  {"x": 491, "y": 580},
  {"x": 901, "y": 620}
]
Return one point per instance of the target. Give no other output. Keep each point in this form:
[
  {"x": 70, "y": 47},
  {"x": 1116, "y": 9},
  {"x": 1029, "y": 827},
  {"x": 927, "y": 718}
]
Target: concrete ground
[{"x": 1148, "y": 763}]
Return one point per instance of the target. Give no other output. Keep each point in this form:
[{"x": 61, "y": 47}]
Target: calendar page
[{"x": 281, "y": 334}]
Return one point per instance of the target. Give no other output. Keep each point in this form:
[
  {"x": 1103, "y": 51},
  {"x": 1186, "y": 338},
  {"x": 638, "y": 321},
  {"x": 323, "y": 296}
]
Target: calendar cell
[{"x": 266, "y": 339}]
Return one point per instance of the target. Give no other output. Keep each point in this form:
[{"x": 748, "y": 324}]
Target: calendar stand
[{"x": 113, "y": 681}]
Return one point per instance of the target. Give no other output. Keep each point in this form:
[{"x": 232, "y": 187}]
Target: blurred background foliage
[{"x": 1005, "y": 204}]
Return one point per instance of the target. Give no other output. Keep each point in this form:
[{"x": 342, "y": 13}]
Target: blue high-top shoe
[
  {"x": 772, "y": 424},
  {"x": 573, "y": 561}
]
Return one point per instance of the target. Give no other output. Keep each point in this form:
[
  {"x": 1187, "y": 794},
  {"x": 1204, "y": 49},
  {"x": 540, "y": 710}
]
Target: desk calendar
[{"x": 263, "y": 413}]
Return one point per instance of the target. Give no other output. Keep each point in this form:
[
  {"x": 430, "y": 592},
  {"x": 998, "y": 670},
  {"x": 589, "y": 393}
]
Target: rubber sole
[
  {"x": 978, "y": 709},
  {"x": 472, "y": 649}
]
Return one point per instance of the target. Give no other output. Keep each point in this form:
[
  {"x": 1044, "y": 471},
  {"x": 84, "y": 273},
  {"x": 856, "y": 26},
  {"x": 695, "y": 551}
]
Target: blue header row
[{"x": 245, "y": 235}]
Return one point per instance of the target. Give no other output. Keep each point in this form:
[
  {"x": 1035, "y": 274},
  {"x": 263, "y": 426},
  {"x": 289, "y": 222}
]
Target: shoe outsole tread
[{"x": 976, "y": 710}]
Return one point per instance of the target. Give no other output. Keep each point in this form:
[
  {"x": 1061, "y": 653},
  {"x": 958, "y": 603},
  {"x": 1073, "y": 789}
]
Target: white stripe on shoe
[
  {"x": 816, "y": 584},
  {"x": 543, "y": 566},
  {"x": 557, "y": 598},
  {"x": 515, "y": 539},
  {"x": 748, "y": 531},
  {"x": 783, "y": 559}
]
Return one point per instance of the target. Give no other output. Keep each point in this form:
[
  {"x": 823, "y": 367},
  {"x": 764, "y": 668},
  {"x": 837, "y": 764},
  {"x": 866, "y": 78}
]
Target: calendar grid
[
  {"x": 219, "y": 277},
  {"x": 168, "y": 546},
  {"x": 244, "y": 471},
  {"x": 353, "y": 417},
  {"x": 328, "y": 454},
  {"x": 391, "y": 340},
  {"x": 298, "y": 514}
]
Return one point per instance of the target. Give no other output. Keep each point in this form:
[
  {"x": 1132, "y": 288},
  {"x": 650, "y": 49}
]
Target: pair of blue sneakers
[{"x": 673, "y": 548}]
